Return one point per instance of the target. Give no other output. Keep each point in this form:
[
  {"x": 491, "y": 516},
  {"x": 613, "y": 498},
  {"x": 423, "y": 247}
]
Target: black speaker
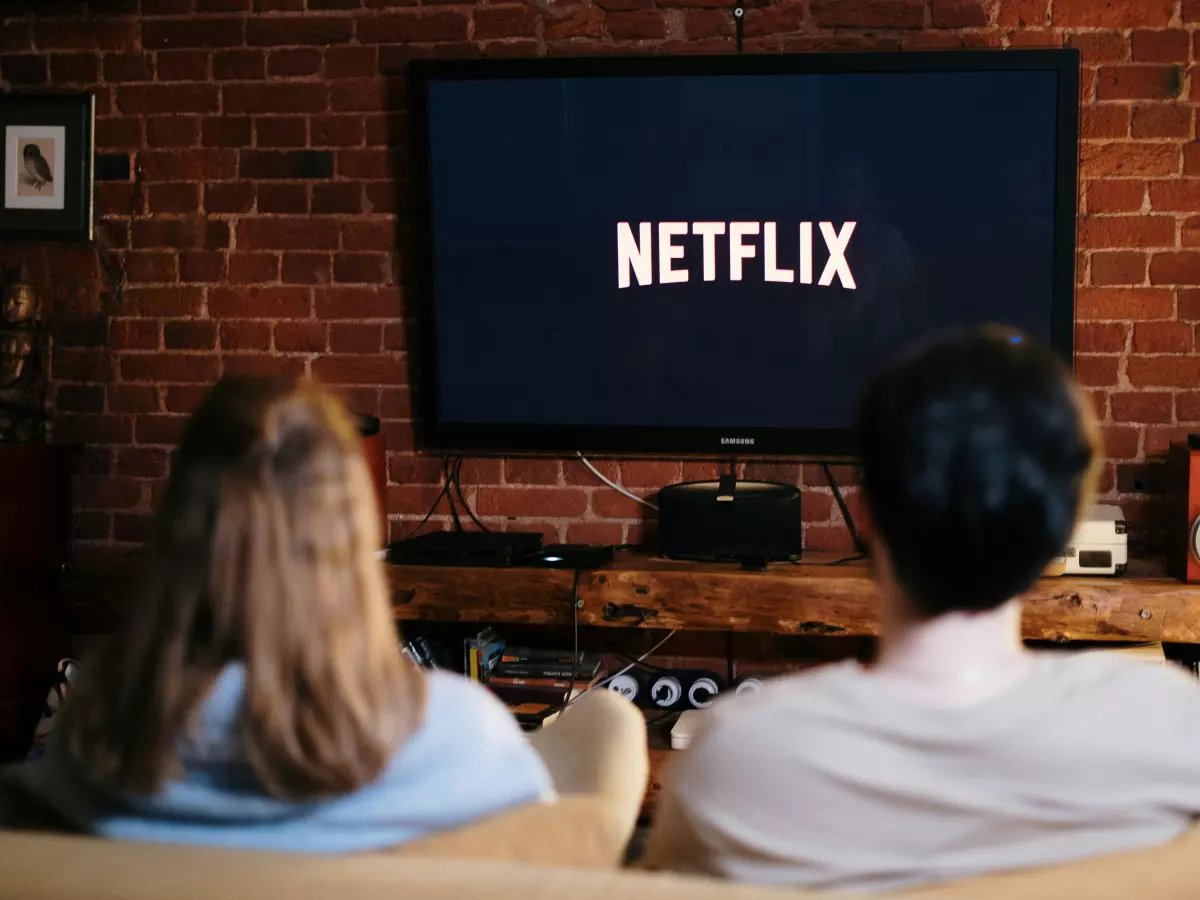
[{"x": 751, "y": 522}]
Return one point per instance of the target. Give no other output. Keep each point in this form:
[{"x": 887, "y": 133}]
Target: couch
[{"x": 567, "y": 850}]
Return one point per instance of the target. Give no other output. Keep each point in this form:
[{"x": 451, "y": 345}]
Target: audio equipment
[
  {"x": 627, "y": 686},
  {"x": 748, "y": 685},
  {"x": 465, "y": 548},
  {"x": 1183, "y": 492},
  {"x": 751, "y": 522},
  {"x": 1098, "y": 546}
]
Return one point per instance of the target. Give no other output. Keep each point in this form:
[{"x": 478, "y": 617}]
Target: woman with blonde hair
[{"x": 257, "y": 696}]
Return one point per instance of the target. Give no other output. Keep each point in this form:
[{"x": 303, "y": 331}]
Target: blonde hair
[{"x": 265, "y": 553}]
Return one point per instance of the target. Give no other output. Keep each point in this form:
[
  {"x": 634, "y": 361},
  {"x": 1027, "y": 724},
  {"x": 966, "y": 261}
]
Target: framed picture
[{"x": 47, "y": 154}]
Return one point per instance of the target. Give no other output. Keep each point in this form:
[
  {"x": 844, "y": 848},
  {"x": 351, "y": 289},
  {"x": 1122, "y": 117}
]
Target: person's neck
[{"x": 957, "y": 658}]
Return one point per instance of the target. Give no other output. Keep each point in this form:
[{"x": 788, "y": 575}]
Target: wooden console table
[{"x": 810, "y": 598}]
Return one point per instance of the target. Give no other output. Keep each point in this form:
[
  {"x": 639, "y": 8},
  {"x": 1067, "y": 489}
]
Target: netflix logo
[{"x": 635, "y": 255}]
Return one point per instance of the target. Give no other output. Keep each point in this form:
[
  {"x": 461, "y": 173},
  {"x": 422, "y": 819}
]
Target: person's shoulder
[
  {"x": 456, "y": 700},
  {"x": 1117, "y": 677}
]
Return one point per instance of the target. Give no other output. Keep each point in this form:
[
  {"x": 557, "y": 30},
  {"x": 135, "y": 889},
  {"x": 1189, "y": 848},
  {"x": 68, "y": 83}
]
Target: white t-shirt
[{"x": 831, "y": 779}]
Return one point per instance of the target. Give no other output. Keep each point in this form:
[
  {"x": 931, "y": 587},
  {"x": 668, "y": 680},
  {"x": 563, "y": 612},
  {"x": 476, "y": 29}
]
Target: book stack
[
  {"x": 535, "y": 682},
  {"x": 481, "y": 654}
]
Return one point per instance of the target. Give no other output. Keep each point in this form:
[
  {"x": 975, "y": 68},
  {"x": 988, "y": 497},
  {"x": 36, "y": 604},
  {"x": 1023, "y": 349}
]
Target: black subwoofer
[{"x": 751, "y": 522}]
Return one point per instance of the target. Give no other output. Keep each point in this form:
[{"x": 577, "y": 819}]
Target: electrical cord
[
  {"x": 451, "y": 484},
  {"x": 448, "y": 478},
  {"x": 462, "y": 498},
  {"x": 859, "y": 544},
  {"x": 605, "y": 681},
  {"x": 612, "y": 484}
]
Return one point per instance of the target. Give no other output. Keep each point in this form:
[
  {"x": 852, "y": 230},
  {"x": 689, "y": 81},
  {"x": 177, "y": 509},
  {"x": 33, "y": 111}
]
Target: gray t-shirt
[{"x": 833, "y": 780}]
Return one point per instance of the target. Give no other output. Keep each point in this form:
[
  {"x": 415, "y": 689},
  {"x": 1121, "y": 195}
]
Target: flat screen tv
[{"x": 711, "y": 255}]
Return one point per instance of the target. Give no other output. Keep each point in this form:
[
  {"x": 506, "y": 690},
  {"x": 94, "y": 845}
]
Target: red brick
[
  {"x": 1126, "y": 231},
  {"x": 1096, "y": 371},
  {"x": 359, "y": 268},
  {"x": 531, "y": 501},
  {"x": 272, "y": 131},
  {"x": 172, "y": 131},
  {"x": 707, "y": 23},
  {"x": 581, "y": 22},
  {"x": 15, "y": 37},
  {"x": 256, "y": 365},
  {"x": 188, "y": 165},
  {"x": 1187, "y": 406},
  {"x": 410, "y": 469},
  {"x": 356, "y": 94},
  {"x": 1162, "y": 120},
  {"x": 259, "y": 303},
  {"x": 147, "y": 99},
  {"x": 156, "y": 429},
  {"x": 830, "y": 538},
  {"x": 286, "y": 233},
  {"x": 142, "y": 462},
  {"x": 350, "y": 337},
  {"x": 320, "y": 31},
  {"x": 234, "y": 197},
  {"x": 868, "y": 13},
  {"x": 375, "y": 163},
  {"x": 135, "y": 334},
  {"x": 253, "y": 268},
  {"x": 307, "y": 268},
  {"x": 173, "y": 198},
  {"x": 337, "y": 197},
  {"x": 1191, "y": 10},
  {"x": 1130, "y": 159},
  {"x": 193, "y": 32},
  {"x": 1139, "y": 82},
  {"x": 1023, "y": 13},
  {"x": 183, "y": 65},
  {"x": 505, "y": 22},
  {"x": 1107, "y": 120},
  {"x": 358, "y": 303},
  {"x": 184, "y": 398},
  {"x": 351, "y": 62},
  {"x": 283, "y": 198},
  {"x": 294, "y": 62},
  {"x": 1112, "y": 13},
  {"x": 74, "y": 68},
  {"x": 1189, "y": 305},
  {"x": 1118, "y": 267},
  {"x": 301, "y": 337},
  {"x": 382, "y": 369},
  {"x": 79, "y": 398},
  {"x": 532, "y": 471},
  {"x": 1098, "y": 46},
  {"x": 636, "y": 25},
  {"x": 1025, "y": 39},
  {"x": 396, "y": 403},
  {"x": 1162, "y": 337},
  {"x": 86, "y": 34},
  {"x": 336, "y": 131},
  {"x": 247, "y": 335},
  {"x": 1120, "y": 441},
  {"x": 118, "y": 134},
  {"x": 239, "y": 65},
  {"x": 395, "y": 336},
  {"x": 1160, "y": 46},
  {"x": 1189, "y": 232},
  {"x": 1158, "y": 438},
  {"x": 411, "y": 499},
  {"x": 595, "y": 533},
  {"x": 1163, "y": 371},
  {"x": 174, "y": 367},
  {"x": 1141, "y": 408},
  {"x": 1191, "y": 158},
  {"x": 143, "y": 266},
  {"x": 1127, "y": 303},
  {"x": 201, "y": 266},
  {"x": 369, "y": 234},
  {"x": 132, "y": 398},
  {"x": 957, "y": 14},
  {"x": 1182, "y": 195},
  {"x": 653, "y": 474},
  {"x": 197, "y": 334},
  {"x": 93, "y": 428},
  {"x": 406, "y": 27},
  {"x": 1175, "y": 268},
  {"x": 108, "y": 492},
  {"x": 381, "y": 197},
  {"x": 292, "y": 97},
  {"x": 1099, "y": 337},
  {"x": 1115, "y": 196}
]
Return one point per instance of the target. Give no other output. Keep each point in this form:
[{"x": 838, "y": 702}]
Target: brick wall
[{"x": 271, "y": 136}]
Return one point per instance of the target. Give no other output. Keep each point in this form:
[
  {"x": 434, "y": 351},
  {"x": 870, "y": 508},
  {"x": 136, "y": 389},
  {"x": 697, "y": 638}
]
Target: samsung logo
[{"x": 737, "y": 441}]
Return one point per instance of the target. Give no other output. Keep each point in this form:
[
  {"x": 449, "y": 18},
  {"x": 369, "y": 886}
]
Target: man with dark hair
[{"x": 957, "y": 751}]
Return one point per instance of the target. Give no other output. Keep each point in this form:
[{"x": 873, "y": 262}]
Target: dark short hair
[{"x": 977, "y": 452}]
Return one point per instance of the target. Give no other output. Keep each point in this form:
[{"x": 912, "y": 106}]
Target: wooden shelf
[{"x": 811, "y": 598}]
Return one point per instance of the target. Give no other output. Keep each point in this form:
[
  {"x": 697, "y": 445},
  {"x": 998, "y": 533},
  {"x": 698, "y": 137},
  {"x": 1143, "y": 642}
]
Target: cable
[
  {"x": 859, "y": 544},
  {"x": 575, "y": 633},
  {"x": 612, "y": 484},
  {"x": 459, "y": 489},
  {"x": 638, "y": 661}
]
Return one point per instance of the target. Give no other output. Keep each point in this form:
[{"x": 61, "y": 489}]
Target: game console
[{"x": 1098, "y": 546}]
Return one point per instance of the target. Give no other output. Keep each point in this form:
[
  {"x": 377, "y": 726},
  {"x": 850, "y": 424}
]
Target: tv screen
[{"x": 712, "y": 254}]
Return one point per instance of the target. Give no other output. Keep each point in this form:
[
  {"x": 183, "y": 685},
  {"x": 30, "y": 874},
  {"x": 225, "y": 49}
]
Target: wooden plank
[{"x": 806, "y": 599}]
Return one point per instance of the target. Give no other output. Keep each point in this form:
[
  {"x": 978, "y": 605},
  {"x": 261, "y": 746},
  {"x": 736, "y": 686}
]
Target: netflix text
[{"x": 635, "y": 253}]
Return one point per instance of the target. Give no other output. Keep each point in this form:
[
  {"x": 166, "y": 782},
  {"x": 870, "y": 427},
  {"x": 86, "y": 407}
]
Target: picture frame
[{"x": 47, "y": 151}]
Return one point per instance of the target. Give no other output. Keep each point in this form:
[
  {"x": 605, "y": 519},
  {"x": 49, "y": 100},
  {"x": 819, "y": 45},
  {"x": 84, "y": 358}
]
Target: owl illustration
[{"x": 37, "y": 169}]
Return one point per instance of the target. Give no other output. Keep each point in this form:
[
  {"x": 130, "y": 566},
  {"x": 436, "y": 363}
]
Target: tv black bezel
[{"x": 491, "y": 438}]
